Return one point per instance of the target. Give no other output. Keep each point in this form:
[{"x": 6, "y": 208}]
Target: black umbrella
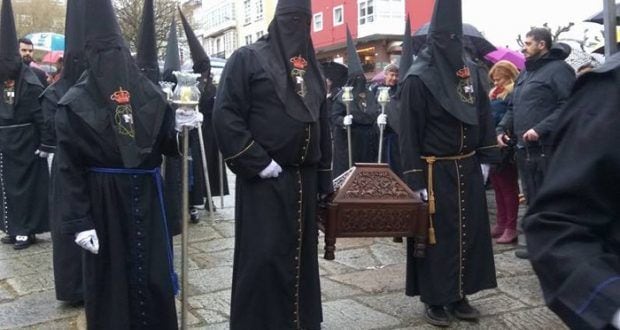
[
  {"x": 336, "y": 72},
  {"x": 598, "y": 18},
  {"x": 472, "y": 38}
]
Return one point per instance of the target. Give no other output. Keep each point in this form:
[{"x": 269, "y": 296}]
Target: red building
[{"x": 377, "y": 26}]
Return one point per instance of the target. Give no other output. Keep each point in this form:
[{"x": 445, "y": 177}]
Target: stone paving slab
[
  {"x": 6, "y": 293},
  {"x": 64, "y": 324},
  {"x": 358, "y": 259},
  {"x": 362, "y": 289},
  {"x": 390, "y": 253},
  {"x": 213, "y": 259},
  {"x": 210, "y": 280},
  {"x": 386, "y": 279},
  {"x": 13, "y": 268},
  {"x": 331, "y": 267},
  {"x": 348, "y": 314},
  {"x": 215, "y": 245},
  {"x": 225, "y": 228},
  {"x": 332, "y": 290},
  {"x": 28, "y": 284},
  {"x": 497, "y": 304},
  {"x": 397, "y": 304},
  {"x": 214, "y": 307},
  {"x": 524, "y": 288},
  {"x": 33, "y": 309}
]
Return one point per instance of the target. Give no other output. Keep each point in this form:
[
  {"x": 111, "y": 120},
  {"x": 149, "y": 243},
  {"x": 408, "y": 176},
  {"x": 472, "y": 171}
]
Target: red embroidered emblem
[
  {"x": 121, "y": 96},
  {"x": 463, "y": 73},
  {"x": 299, "y": 63},
  {"x": 9, "y": 83}
]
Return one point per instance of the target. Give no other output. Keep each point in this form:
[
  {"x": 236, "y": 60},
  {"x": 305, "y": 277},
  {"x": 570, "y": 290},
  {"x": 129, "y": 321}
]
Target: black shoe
[
  {"x": 8, "y": 239},
  {"x": 23, "y": 244},
  {"x": 194, "y": 216},
  {"x": 437, "y": 316},
  {"x": 521, "y": 253},
  {"x": 464, "y": 311}
]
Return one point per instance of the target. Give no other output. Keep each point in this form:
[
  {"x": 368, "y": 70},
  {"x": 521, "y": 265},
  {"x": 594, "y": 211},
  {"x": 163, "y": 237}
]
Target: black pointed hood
[
  {"x": 353, "y": 60},
  {"x": 286, "y": 54},
  {"x": 146, "y": 58},
  {"x": 173, "y": 61},
  {"x": 406, "y": 57},
  {"x": 441, "y": 66},
  {"x": 357, "y": 79},
  {"x": 114, "y": 92},
  {"x": 293, "y": 6},
  {"x": 74, "y": 59},
  {"x": 10, "y": 61},
  {"x": 199, "y": 56}
]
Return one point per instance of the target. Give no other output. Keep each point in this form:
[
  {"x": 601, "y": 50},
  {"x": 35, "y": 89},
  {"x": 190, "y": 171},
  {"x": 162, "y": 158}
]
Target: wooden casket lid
[{"x": 372, "y": 184}]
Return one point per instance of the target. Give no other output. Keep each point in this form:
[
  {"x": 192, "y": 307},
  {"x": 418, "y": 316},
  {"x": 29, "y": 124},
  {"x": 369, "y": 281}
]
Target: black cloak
[
  {"x": 23, "y": 175},
  {"x": 112, "y": 128},
  {"x": 276, "y": 81},
  {"x": 445, "y": 113}
]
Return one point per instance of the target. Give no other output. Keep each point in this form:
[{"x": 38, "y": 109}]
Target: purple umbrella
[
  {"x": 379, "y": 77},
  {"x": 506, "y": 54}
]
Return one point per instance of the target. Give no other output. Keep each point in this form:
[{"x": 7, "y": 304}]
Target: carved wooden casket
[{"x": 372, "y": 201}]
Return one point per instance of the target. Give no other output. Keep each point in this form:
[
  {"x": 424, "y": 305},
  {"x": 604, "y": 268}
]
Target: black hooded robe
[
  {"x": 572, "y": 227},
  {"x": 275, "y": 273},
  {"x": 124, "y": 209},
  {"x": 364, "y": 135},
  {"x": 67, "y": 256},
  {"x": 23, "y": 175},
  {"x": 461, "y": 263}
]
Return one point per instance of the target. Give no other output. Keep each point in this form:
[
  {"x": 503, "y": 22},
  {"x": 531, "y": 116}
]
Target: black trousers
[{"x": 532, "y": 164}]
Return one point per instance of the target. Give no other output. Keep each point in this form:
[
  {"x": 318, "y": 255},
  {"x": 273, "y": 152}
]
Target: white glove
[
  {"x": 423, "y": 193},
  {"x": 382, "y": 119},
  {"x": 271, "y": 171},
  {"x": 187, "y": 118},
  {"x": 485, "y": 172},
  {"x": 616, "y": 321},
  {"x": 88, "y": 240},
  {"x": 41, "y": 154},
  {"x": 348, "y": 120}
]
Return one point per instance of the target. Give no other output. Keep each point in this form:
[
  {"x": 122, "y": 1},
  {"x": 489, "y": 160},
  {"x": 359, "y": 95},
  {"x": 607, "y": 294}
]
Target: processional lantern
[{"x": 186, "y": 96}]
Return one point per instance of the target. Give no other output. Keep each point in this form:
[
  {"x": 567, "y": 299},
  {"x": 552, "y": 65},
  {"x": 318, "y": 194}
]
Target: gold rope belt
[{"x": 430, "y": 161}]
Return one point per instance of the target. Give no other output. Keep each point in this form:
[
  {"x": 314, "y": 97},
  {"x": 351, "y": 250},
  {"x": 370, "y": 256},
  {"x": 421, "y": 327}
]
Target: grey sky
[{"x": 503, "y": 20}]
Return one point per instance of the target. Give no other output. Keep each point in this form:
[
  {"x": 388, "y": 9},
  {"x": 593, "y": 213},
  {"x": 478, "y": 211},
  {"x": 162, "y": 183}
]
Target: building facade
[
  {"x": 225, "y": 25},
  {"x": 377, "y": 26}
]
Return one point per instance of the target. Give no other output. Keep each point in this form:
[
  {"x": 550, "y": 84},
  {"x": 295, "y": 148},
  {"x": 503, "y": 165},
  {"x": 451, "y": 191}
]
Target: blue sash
[{"x": 155, "y": 173}]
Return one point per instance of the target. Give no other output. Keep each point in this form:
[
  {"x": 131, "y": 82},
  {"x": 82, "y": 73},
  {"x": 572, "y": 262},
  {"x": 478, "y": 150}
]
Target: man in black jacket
[
  {"x": 572, "y": 227},
  {"x": 540, "y": 91},
  {"x": 26, "y": 48}
]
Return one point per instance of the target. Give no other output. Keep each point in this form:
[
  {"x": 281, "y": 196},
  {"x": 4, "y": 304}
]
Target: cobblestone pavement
[{"x": 362, "y": 289}]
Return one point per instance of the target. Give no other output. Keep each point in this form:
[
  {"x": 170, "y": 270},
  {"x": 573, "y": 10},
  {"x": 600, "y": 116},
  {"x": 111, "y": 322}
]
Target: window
[
  {"x": 247, "y": 12},
  {"x": 248, "y": 39},
  {"x": 259, "y": 10},
  {"x": 367, "y": 12},
  {"x": 338, "y": 15},
  {"x": 259, "y": 34},
  {"x": 318, "y": 22}
]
